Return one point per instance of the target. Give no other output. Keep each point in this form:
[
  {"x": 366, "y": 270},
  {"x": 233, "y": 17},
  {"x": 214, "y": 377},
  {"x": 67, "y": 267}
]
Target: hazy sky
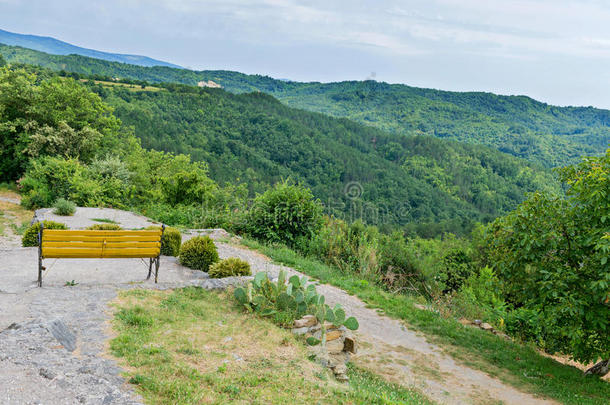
[{"x": 556, "y": 51}]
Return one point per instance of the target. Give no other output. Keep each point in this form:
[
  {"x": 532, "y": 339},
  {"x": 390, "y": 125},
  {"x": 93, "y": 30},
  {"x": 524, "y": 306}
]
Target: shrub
[
  {"x": 198, "y": 253},
  {"x": 285, "y": 213},
  {"x": 171, "y": 241},
  {"x": 30, "y": 236},
  {"x": 64, "y": 207},
  {"x": 105, "y": 227},
  {"x": 232, "y": 266},
  {"x": 455, "y": 268}
]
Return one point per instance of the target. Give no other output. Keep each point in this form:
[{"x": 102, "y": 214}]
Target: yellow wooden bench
[{"x": 75, "y": 243}]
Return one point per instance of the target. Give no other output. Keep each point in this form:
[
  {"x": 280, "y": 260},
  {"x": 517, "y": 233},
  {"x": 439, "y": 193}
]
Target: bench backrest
[{"x": 57, "y": 243}]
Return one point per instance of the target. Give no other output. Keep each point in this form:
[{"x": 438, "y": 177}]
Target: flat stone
[
  {"x": 486, "y": 326},
  {"x": 300, "y": 331},
  {"x": 334, "y": 346},
  {"x": 306, "y": 321},
  {"x": 333, "y": 335},
  {"x": 60, "y": 331}
]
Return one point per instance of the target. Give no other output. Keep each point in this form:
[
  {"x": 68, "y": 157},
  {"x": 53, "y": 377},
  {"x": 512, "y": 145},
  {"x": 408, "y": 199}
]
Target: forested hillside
[
  {"x": 357, "y": 171},
  {"x": 518, "y": 125}
]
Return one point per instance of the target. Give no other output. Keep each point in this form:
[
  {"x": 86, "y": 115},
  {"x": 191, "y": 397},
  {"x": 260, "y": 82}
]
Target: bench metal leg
[
  {"x": 150, "y": 268},
  {"x": 157, "y": 260},
  {"x": 40, "y": 271},
  {"x": 40, "y": 267}
]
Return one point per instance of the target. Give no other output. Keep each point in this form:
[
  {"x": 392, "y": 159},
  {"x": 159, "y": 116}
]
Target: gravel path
[{"x": 53, "y": 339}]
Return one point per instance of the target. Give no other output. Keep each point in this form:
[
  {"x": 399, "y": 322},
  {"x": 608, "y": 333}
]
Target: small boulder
[
  {"x": 300, "y": 331},
  {"x": 334, "y": 346},
  {"x": 350, "y": 345},
  {"x": 333, "y": 335},
  {"x": 486, "y": 326},
  {"x": 305, "y": 322}
]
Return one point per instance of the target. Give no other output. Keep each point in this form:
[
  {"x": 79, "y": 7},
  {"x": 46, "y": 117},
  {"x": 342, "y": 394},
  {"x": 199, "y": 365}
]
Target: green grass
[
  {"x": 519, "y": 365},
  {"x": 180, "y": 347},
  {"x": 104, "y": 220}
]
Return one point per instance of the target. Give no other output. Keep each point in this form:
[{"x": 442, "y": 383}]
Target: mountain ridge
[{"x": 57, "y": 47}]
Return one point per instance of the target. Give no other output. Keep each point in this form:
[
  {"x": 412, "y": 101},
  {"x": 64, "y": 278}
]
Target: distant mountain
[
  {"x": 57, "y": 47},
  {"x": 518, "y": 125}
]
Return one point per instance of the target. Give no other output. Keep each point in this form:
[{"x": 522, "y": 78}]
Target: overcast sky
[{"x": 556, "y": 51}]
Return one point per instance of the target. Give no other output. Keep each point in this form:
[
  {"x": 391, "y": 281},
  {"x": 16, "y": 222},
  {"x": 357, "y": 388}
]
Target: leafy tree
[
  {"x": 552, "y": 254},
  {"x": 2, "y": 60},
  {"x": 285, "y": 213},
  {"x": 41, "y": 116}
]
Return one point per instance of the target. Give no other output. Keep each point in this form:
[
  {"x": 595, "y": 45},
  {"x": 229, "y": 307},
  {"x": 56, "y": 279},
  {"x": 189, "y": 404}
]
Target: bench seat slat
[
  {"x": 87, "y": 232},
  {"x": 84, "y": 238},
  {"x": 72, "y": 252},
  {"x": 99, "y": 244}
]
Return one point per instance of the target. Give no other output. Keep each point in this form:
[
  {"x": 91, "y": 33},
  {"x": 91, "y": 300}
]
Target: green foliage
[
  {"x": 30, "y": 236},
  {"x": 105, "y": 227},
  {"x": 50, "y": 116},
  {"x": 230, "y": 267},
  {"x": 198, "y": 253},
  {"x": 285, "y": 213},
  {"x": 64, "y": 207},
  {"x": 517, "y": 125},
  {"x": 2, "y": 60},
  {"x": 480, "y": 297},
  {"x": 552, "y": 255},
  {"x": 171, "y": 241},
  {"x": 287, "y": 300}
]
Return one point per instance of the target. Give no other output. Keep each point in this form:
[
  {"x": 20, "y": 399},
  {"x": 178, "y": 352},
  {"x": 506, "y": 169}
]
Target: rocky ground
[{"x": 53, "y": 339}]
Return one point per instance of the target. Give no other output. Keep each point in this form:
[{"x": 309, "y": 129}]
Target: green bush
[
  {"x": 64, "y": 207},
  {"x": 30, "y": 236},
  {"x": 232, "y": 266},
  {"x": 105, "y": 227},
  {"x": 284, "y": 214},
  {"x": 170, "y": 242},
  {"x": 455, "y": 268},
  {"x": 198, "y": 253}
]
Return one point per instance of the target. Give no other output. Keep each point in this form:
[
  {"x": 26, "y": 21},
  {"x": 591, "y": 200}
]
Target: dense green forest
[
  {"x": 424, "y": 184},
  {"x": 356, "y": 171},
  {"x": 518, "y": 125}
]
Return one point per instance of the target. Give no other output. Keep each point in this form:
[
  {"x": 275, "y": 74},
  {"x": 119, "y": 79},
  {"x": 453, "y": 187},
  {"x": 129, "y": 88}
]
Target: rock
[
  {"x": 465, "y": 321},
  {"x": 477, "y": 322},
  {"x": 300, "y": 331},
  {"x": 330, "y": 326},
  {"x": 334, "y": 346},
  {"x": 342, "y": 377},
  {"x": 46, "y": 373},
  {"x": 339, "y": 358},
  {"x": 306, "y": 321},
  {"x": 486, "y": 326},
  {"x": 340, "y": 368},
  {"x": 333, "y": 335},
  {"x": 60, "y": 331},
  {"x": 350, "y": 345},
  {"x": 601, "y": 368}
]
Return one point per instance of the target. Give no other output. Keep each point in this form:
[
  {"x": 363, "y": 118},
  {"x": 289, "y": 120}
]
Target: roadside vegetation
[{"x": 191, "y": 346}]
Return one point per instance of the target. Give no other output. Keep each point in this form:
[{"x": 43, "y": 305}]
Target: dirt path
[{"x": 401, "y": 354}]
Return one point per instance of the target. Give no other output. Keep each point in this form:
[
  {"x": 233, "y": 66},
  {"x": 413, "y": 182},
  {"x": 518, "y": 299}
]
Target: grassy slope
[
  {"x": 519, "y": 365},
  {"x": 517, "y": 125},
  {"x": 192, "y": 346}
]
